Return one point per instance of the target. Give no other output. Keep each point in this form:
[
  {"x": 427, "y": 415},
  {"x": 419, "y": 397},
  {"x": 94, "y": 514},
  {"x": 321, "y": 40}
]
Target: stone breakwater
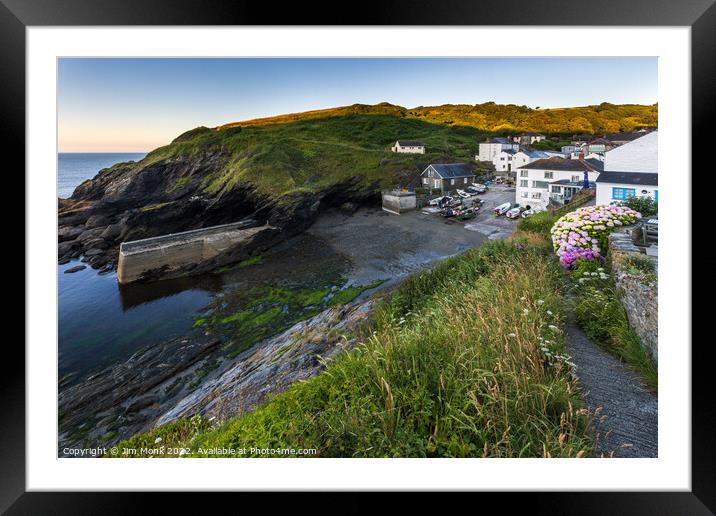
[
  {"x": 638, "y": 296},
  {"x": 174, "y": 254}
]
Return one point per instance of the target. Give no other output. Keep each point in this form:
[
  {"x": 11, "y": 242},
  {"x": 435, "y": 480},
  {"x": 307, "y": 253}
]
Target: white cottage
[
  {"x": 409, "y": 147},
  {"x": 630, "y": 170},
  {"x": 554, "y": 179},
  {"x": 490, "y": 149}
]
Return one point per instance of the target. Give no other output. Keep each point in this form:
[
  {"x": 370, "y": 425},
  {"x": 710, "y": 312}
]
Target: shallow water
[{"x": 101, "y": 322}]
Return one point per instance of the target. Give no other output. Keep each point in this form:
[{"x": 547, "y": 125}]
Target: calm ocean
[
  {"x": 76, "y": 167},
  {"x": 100, "y": 323}
]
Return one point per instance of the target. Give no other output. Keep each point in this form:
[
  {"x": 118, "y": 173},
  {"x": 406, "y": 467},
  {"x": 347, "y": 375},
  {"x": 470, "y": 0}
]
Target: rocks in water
[
  {"x": 64, "y": 260},
  {"x": 93, "y": 252},
  {"x": 67, "y": 248},
  {"x": 124, "y": 396},
  {"x": 76, "y": 268}
]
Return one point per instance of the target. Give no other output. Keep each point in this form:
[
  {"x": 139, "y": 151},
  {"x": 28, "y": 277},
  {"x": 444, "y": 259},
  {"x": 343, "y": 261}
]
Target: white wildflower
[
  {"x": 511, "y": 335},
  {"x": 549, "y": 312},
  {"x": 553, "y": 327},
  {"x": 525, "y": 311},
  {"x": 540, "y": 301},
  {"x": 157, "y": 440}
]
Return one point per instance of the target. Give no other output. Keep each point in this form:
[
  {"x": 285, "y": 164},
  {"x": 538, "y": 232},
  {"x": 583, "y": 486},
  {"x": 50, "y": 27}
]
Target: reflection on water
[{"x": 101, "y": 322}]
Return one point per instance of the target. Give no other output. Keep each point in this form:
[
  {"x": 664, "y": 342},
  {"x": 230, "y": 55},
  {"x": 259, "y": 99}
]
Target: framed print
[{"x": 419, "y": 252}]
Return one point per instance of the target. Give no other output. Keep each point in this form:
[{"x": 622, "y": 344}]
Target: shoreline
[{"x": 364, "y": 237}]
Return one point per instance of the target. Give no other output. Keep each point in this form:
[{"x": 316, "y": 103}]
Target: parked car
[
  {"x": 514, "y": 212},
  {"x": 501, "y": 209},
  {"x": 443, "y": 199}
]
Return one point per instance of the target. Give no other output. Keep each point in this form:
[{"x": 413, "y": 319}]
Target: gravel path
[{"x": 626, "y": 413}]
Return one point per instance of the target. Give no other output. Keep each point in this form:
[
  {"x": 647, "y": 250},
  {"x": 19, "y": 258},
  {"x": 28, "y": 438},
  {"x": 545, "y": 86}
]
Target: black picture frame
[{"x": 700, "y": 15}]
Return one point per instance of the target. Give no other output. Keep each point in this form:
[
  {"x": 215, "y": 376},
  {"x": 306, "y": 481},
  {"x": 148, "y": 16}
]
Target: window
[
  {"x": 623, "y": 193},
  {"x": 437, "y": 183},
  {"x": 536, "y": 195},
  {"x": 524, "y": 173},
  {"x": 452, "y": 181},
  {"x": 556, "y": 189},
  {"x": 425, "y": 180},
  {"x": 575, "y": 179},
  {"x": 465, "y": 181},
  {"x": 540, "y": 184},
  {"x": 524, "y": 183},
  {"x": 549, "y": 175}
]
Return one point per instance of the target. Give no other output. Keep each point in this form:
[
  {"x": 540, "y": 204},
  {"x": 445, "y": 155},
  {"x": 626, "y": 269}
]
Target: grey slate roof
[
  {"x": 410, "y": 143},
  {"x": 535, "y": 153},
  {"x": 510, "y": 151},
  {"x": 629, "y": 178},
  {"x": 503, "y": 141},
  {"x": 452, "y": 170},
  {"x": 556, "y": 163}
]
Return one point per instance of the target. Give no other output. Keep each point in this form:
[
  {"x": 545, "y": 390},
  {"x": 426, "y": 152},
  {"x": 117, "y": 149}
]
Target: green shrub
[
  {"x": 540, "y": 223},
  {"x": 644, "y": 205}
]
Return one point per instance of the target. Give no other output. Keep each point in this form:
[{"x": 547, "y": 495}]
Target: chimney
[{"x": 581, "y": 155}]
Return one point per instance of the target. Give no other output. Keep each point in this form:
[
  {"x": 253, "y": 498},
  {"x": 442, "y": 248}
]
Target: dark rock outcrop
[{"x": 137, "y": 200}]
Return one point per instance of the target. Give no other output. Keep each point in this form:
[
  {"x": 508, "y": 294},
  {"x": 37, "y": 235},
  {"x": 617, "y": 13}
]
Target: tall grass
[{"x": 466, "y": 360}]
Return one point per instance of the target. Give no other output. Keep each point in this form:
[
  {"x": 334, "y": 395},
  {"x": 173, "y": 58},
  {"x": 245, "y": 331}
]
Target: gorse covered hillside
[
  {"x": 491, "y": 117},
  {"x": 286, "y": 169}
]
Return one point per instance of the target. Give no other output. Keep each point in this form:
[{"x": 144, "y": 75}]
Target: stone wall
[{"x": 638, "y": 294}]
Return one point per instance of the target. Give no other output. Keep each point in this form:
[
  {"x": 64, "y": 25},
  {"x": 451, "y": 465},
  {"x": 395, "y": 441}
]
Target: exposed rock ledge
[{"x": 271, "y": 367}]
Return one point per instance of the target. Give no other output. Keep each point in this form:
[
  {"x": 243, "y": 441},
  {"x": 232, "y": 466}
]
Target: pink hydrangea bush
[{"x": 582, "y": 234}]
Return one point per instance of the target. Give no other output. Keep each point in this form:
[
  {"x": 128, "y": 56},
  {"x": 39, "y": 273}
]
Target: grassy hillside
[
  {"x": 316, "y": 150},
  {"x": 314, "y": 154},
  {"x": 466, "y": 359}
]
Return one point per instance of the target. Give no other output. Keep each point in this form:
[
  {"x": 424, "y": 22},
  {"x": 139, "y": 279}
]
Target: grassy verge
[
  {"x": 598, "y": 309},
  {"x": 600, "y": 313},
  {"x": 465, "y": 360}
]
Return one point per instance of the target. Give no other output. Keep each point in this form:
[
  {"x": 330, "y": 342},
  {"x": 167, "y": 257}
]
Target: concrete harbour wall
[{"x": 137, "y": 259}]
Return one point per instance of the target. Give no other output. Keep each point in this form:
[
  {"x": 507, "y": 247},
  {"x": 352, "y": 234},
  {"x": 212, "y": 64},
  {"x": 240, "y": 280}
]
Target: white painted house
[
  {"x": 409, "y": 147},
  {"x": 525, "y": 156},
  {"x": 630, "y": 170},
  {"x": 503, "y": 161},
  {"x": 553, "y": 179},
  {"x": 490, "y": 149}
]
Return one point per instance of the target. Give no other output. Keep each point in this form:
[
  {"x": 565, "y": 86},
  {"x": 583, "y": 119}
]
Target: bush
[
  {"x": 541, "y": 223},
  {"x": 644, "y": 205},
  {"x": 583, "y": 234}
]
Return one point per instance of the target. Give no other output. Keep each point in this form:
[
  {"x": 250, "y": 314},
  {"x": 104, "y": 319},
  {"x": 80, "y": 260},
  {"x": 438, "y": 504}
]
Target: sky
[{"x": 138, "y": 104}]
